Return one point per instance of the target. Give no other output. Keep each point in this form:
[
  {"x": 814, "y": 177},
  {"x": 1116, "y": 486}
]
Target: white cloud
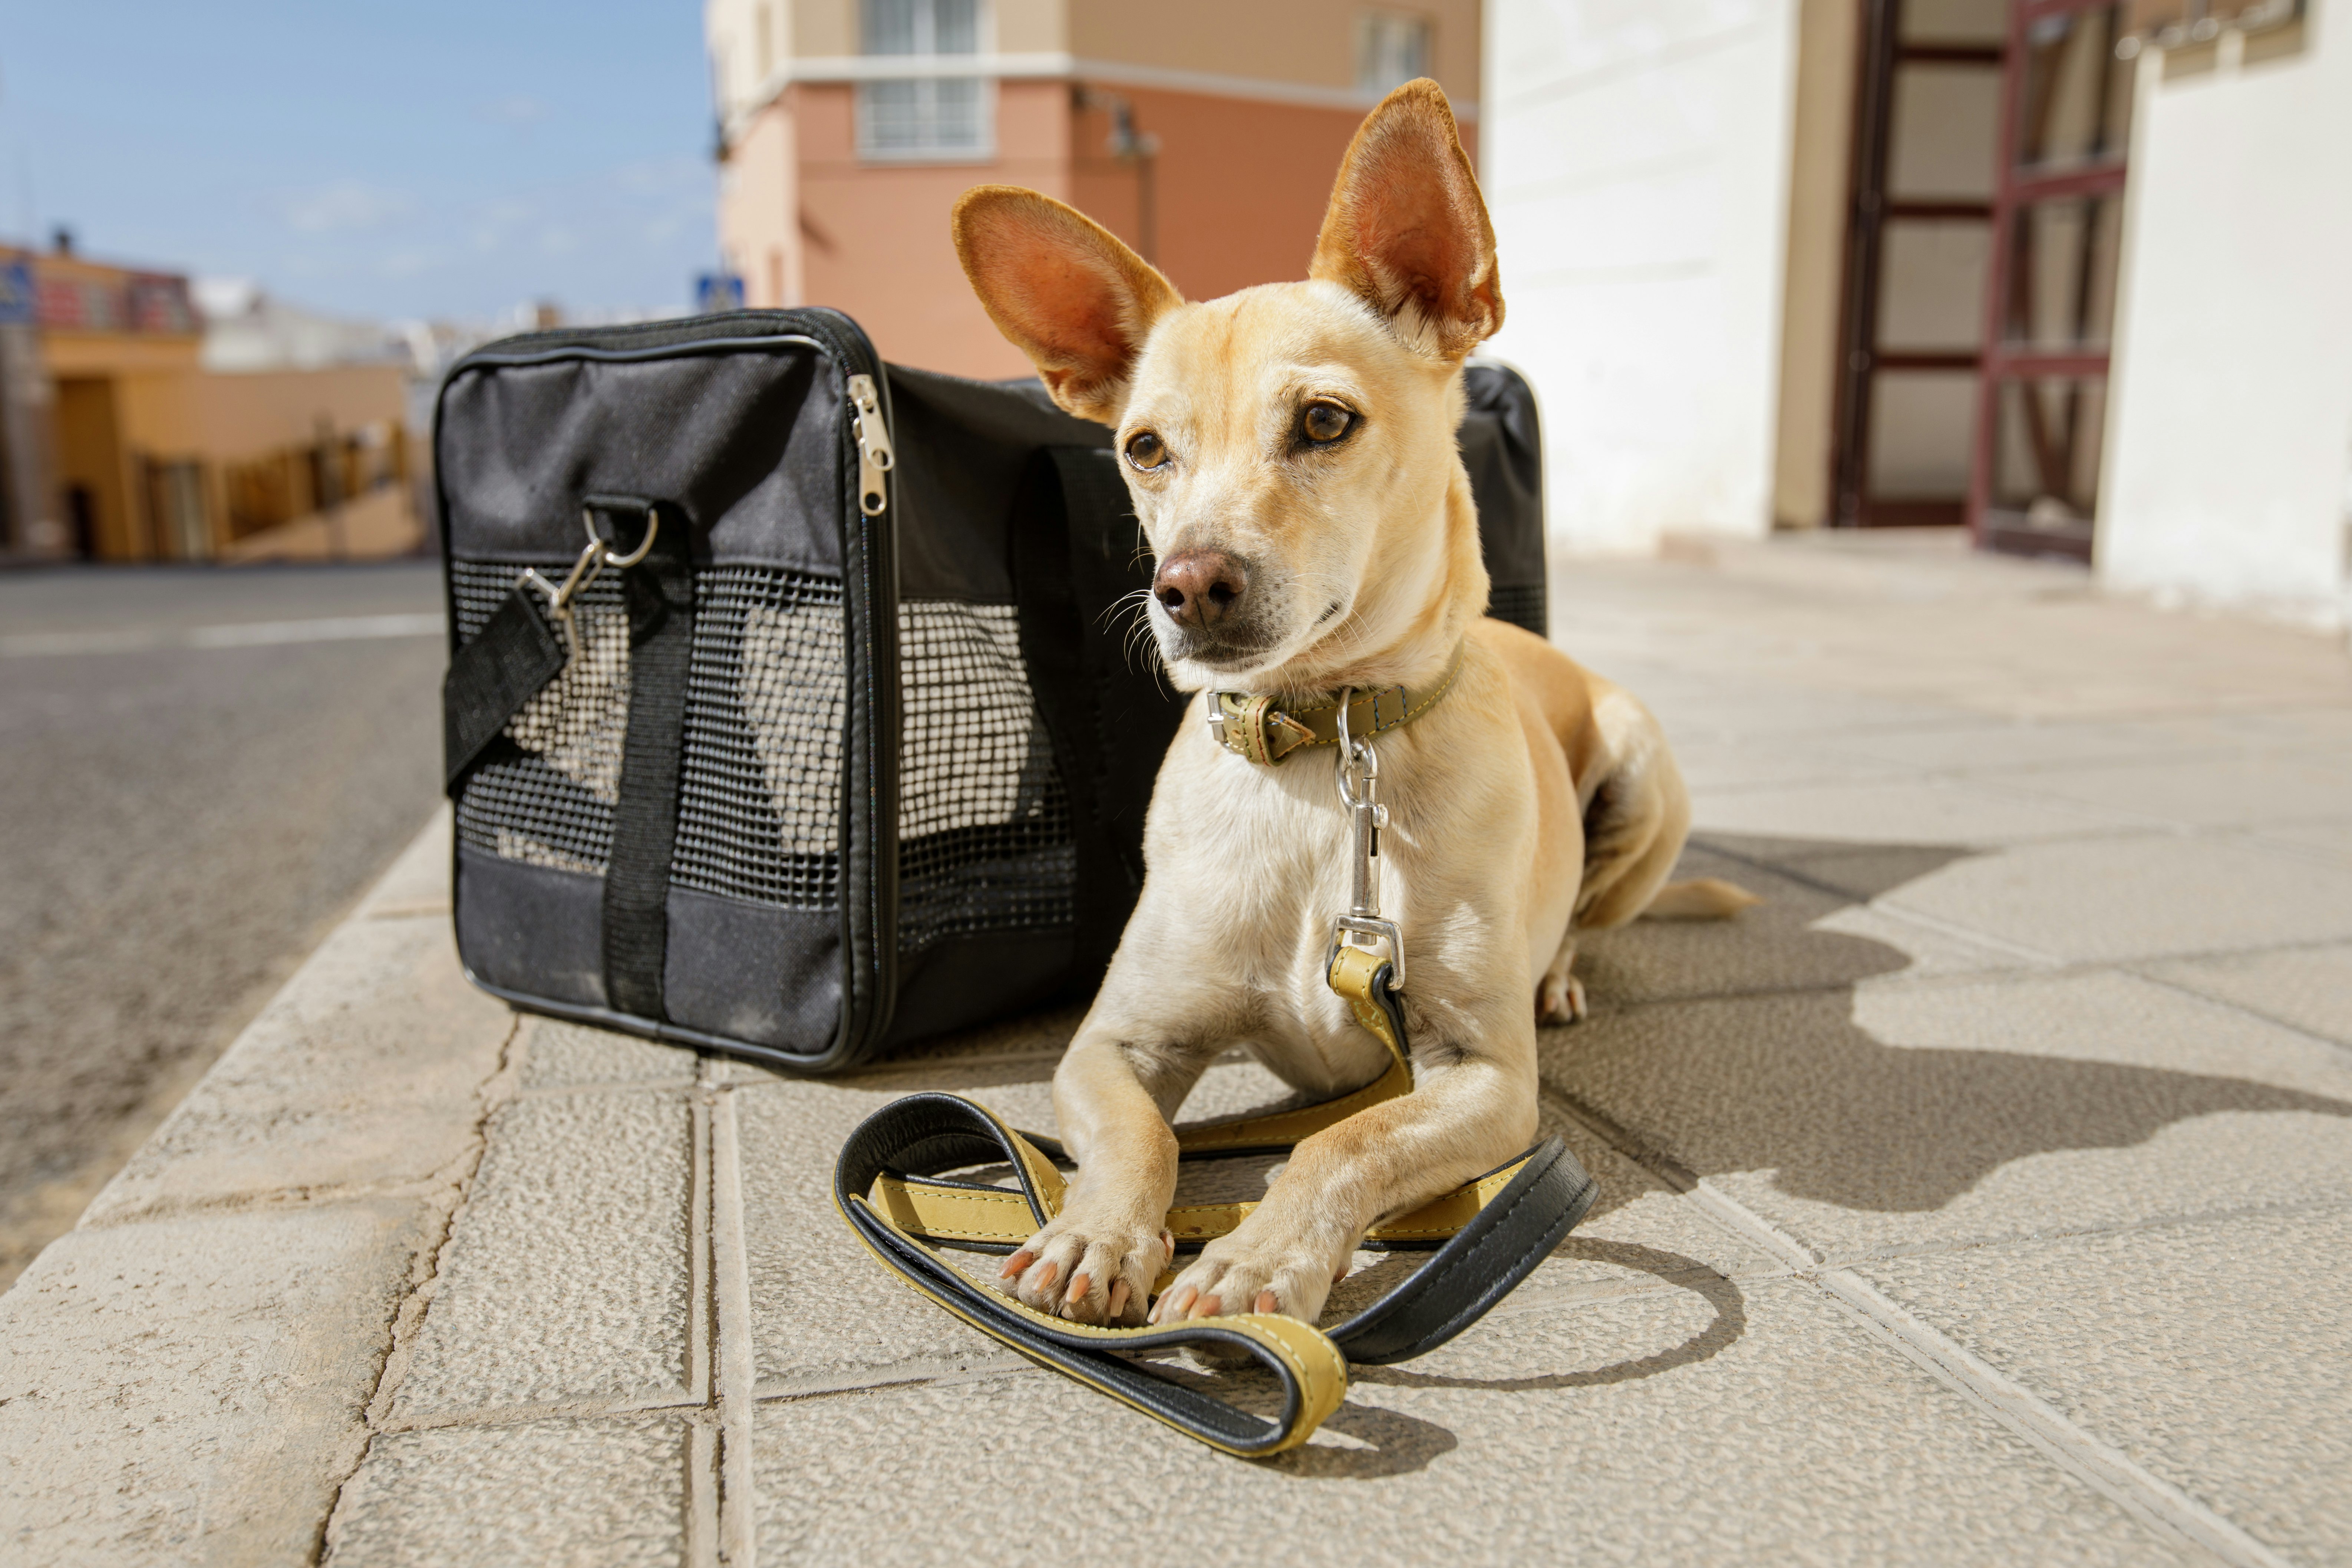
[
  {"x": 522, "y": 111},
  {"x": 344, "y": 206}
]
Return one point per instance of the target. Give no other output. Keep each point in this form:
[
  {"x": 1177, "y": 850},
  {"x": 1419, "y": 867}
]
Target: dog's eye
[
  {"x": 1145, "y": 451},
  {"x": 1324, "y": 423}
]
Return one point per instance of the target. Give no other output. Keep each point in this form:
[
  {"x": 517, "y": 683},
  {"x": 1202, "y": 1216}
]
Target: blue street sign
[
  {"x": 718, "y": 291},
  {"x": 17, "y": 304}
]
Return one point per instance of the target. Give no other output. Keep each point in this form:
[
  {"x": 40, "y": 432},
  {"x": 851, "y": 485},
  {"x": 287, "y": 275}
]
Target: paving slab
[
  {"x": 2028, "y": 747},
  {"x": 2331, "y": 840},
  {"x": 568, "y": 1275},
  {"x": 195, "y": 1389},
  {"x": 1949, "y": 1114},
  {"x": 554, "y": 1055},
  {"x": 1708, "y": 1421},
  {"x": 2308, "y": 987},
  {"x": 611, "y": 1491},
  {"x": 1730, "y": 708},
  {"x": 2197, "y": 792},
  {"x": 1803, "y": 936},
  {"x": 1712, "y": 763},
  {"x": 2146, "y": 895},
  {"x": 364, "y": 1072},
  {"x": 1903, "y": 811},
  {"x": 2211, "y": 1354},
  {"x": 821, "y": 1307}
]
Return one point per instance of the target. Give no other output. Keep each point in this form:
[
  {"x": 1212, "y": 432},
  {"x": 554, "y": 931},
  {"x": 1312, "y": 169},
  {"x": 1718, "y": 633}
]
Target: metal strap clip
[
  {"x": 598, "y": 554},
  {"x": 1359, "y": 778}
]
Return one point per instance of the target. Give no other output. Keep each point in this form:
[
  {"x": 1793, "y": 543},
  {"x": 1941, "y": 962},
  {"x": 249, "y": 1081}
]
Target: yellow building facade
[{"x": 121, "y": 445}]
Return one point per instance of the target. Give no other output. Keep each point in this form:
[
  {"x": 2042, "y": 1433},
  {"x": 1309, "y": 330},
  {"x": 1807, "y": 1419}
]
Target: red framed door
[
  {"x": 2057, "y": 233},
  {"x": 1920, "y": 207}
]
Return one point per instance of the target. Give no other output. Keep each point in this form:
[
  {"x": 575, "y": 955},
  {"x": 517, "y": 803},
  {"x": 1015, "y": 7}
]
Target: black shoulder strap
[
  {"x": 508, "y": 662},
  {"x": 658, "y": 593}
]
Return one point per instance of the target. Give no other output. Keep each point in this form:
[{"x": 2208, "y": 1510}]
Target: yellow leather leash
[{"x": 1490, "y": 1233}]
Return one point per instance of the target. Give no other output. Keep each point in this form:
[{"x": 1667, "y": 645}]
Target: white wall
[
  {"x": 1635, "y": 156},
  {"x": 2231, "y": 436}
]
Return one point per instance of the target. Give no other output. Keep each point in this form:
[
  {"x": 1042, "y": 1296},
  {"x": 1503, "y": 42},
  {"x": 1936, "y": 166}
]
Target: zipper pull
[{"x": 874, "y": 456}]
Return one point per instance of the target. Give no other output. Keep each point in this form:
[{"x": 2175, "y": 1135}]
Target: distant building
[
  {"x": 2072, "y": 274},
  {"x": 1206, "y": 135},
  {"x": 136, "y": 425}
]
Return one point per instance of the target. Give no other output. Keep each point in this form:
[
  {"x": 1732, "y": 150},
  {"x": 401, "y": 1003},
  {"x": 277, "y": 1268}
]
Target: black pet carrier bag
[{"x": 790, "y": 708}]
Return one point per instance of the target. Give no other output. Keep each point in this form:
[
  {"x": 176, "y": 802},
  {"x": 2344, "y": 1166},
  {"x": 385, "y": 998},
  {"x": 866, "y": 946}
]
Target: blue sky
[{"x": 391, "y": 159}]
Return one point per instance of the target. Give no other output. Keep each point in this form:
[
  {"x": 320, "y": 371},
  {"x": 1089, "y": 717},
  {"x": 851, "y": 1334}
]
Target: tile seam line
[
  {"x": 904, "y": 1375},
  {"x": 1983, "y": 773},
  {"x": 401, "y": 1335},
  {"x": 2232, "y": 1003},
  {"x": 2060, "y": 966},
  {"x": 2086, "y": 1233},
  {"x": 735, "y": 1374},
  {"x": 1960, "y": 720},
  {"x": 2156, "y": 1503},
  {"x": 682, "y": 1402},
  {"x": 2179, "y": 826}
]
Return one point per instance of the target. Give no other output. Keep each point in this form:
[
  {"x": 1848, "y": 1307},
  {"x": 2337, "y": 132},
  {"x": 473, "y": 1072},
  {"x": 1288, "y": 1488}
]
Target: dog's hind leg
[{"x": 1636, "y": 817}]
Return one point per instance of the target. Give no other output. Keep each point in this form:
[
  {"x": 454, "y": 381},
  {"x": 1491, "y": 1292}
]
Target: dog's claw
[
  {"x": 1561, "y": 1000},
  {"x": 1237, "y": 1279},
  {"x": 1085, "y": 1272}
]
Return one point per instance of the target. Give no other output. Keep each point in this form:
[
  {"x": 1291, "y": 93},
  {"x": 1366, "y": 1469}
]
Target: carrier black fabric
[{"x": 806, "y": 783}]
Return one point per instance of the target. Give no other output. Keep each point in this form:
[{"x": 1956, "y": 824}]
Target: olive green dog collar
[{"x": 1265, "y": 729}]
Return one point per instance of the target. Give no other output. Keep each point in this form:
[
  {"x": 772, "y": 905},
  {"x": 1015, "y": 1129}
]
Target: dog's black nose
[{"x": 1199, "y": 587}]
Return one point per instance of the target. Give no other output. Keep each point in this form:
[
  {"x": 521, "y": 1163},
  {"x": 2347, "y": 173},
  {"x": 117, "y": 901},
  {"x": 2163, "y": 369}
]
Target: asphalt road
[{"x": 200, "y": 771}]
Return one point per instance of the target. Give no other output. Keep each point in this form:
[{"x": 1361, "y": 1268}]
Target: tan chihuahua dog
[{"x": 1290, "y": 449}]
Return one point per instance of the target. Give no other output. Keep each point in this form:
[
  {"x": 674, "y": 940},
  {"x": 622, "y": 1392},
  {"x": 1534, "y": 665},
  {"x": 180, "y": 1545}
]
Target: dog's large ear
[
  {"x": 1407, "y": 229},
  {"x": 1063, "y": 291}
]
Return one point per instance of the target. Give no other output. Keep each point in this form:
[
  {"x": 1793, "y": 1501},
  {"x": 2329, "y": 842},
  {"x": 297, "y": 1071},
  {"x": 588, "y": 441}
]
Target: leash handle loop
[{"x": 1521, "y": 1213}]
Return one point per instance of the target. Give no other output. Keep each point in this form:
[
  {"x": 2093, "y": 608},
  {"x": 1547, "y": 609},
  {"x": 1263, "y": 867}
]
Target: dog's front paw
[
  {"x": 1090, "y": 1273},
  {"x": 1227, "y": 1279}
]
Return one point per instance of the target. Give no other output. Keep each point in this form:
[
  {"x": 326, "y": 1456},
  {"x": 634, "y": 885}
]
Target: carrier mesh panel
[
  {"x": 758, "y": 810},
  {"x": 552, "y": 805},
  {"x": 984, "y": 824},
  {"x": 1522, "y": 605}
]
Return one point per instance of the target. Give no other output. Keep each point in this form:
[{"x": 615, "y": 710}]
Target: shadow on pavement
[{"x": 1761, "y": 1064}]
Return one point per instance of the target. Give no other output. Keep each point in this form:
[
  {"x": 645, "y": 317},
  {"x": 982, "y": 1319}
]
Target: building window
[
  {"x": 1390, "y": 50},
  {"x": 927, "y": 115}
]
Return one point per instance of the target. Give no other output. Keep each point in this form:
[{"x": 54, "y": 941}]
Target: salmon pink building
[{"x": 1206, "y": 135}]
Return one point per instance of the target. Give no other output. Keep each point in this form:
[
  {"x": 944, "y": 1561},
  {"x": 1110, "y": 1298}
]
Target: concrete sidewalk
[{"x": 1981, "y": 1197}]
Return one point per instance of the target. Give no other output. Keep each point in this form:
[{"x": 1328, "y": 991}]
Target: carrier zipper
[{"x": 875, "y": 456}]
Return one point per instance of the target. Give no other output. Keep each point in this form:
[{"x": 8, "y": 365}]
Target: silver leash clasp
[
  {"x": 1360, "y": 782},
  {"x": 590, "y": 565}
]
